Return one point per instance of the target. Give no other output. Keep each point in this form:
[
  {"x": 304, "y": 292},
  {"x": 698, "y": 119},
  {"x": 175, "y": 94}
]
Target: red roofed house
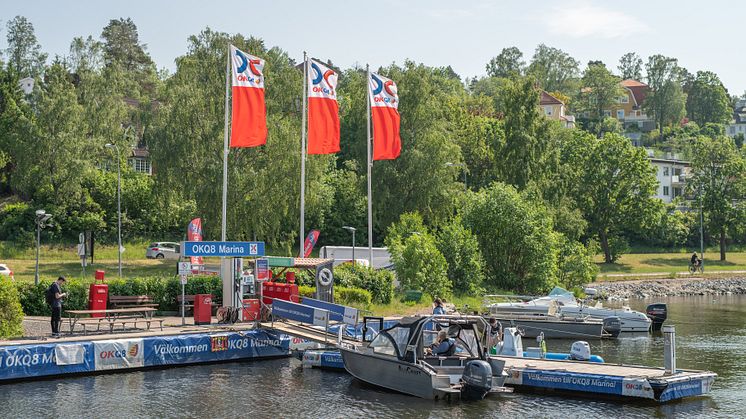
[
  {"x": 554, "y": 108},
  {"x": 628, "y": 107}
]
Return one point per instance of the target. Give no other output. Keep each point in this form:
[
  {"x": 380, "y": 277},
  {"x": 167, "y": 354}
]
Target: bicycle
[{"x": 698, "y": 267}]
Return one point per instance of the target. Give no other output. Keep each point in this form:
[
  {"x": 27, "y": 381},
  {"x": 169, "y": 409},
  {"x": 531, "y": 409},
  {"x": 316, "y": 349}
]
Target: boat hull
[{"x": 555, "y": 329}]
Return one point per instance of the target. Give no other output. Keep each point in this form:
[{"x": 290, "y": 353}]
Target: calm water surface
[{"x": 711, "y": 334}]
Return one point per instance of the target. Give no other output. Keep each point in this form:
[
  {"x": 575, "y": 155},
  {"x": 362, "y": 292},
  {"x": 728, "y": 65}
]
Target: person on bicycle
[{"x": 695, "y": 260}]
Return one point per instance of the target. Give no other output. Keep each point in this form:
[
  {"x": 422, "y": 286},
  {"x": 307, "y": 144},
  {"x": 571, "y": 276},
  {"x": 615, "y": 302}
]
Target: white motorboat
[{"x": 568, "y": 306}]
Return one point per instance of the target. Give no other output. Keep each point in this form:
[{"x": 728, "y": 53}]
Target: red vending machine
[
  {"x": 98, "y": 294},
  {"x": 202, "y": 309}
]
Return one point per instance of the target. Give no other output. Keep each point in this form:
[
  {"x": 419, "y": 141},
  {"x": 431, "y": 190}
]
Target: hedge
[
  {"x": 11, "y": 315},
  {"x": 380, "y": 282},
  {"x": 342, "y": 295}
]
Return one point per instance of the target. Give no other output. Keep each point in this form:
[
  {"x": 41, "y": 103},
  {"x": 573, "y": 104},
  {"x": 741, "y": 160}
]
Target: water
[{"x": 711, "y": 334}]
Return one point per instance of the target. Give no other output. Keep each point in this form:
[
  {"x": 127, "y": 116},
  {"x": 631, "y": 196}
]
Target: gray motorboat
[
  {"x": 396, "y": 359},
  {"x": 556, "y": 326}
]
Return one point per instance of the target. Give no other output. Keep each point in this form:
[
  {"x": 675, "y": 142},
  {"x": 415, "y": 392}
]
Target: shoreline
[{"x": 668, "y": 287}]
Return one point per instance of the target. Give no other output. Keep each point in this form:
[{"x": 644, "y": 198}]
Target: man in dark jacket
[{"x": 57, "y": 305}]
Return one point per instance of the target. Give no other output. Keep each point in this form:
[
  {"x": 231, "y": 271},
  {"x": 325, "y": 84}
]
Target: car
[
  {"x": 163, "y": 250},
  {"x": 5, "y": 270}
]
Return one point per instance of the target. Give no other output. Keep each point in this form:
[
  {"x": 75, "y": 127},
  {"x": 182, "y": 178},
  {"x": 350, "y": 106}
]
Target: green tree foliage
[
  {"x": 85, "y": 55},
  {"x": 600, "y": 91},
  {"x": 612, "y": 183},
  {"x": 509, "y": 63},
  {"x": 516, "y": 238},
  {"x": 555, "y": 69},
  {"x": 24, "y": 52},
  {"x": 630, "y": 66},
  {"x": 666, "y": 99},
  {"x": 460, "y": 248},
  {"x": 122, "y": 46},
  {"x": 11, "y": 314},
  {"x": 380, "y": 283},
  {"x": 707, "y": 100},
  {"x": 719, "y": 182},
  {"x": 575, "y": 263}
]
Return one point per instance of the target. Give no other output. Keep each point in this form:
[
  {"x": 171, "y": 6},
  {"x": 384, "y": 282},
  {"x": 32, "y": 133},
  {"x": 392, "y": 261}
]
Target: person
[
  {"x": 58, "y": 295},
  {"x": 443, "y": 345},
  {"x": 494, "y": 334},
  {"x": 439, "y": 309},
  {"x": 695, "y": 260}
]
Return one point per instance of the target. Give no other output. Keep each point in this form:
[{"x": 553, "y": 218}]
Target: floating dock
[
  {"x": 29, "y": 360},
  {"x": 607, "y": 380}
]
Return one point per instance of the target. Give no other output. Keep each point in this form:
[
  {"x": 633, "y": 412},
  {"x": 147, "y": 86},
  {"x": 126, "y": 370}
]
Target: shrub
[
  {"x": 465, "y": 264},
  {"x": 11, "y": 314},
  {"x": 575, "y": 263},
  {"x": 380, "y": 283},
  {"x": 342, "y": 295}
]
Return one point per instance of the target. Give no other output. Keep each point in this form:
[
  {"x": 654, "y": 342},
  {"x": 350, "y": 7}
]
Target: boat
[
  {"x": 552, "y": 325},
  {"x": 396, "y": 359},
  {"x": 568, "y": 307}
]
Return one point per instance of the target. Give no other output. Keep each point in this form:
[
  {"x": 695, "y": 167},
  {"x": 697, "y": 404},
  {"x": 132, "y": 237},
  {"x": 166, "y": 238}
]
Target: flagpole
[
  {"x": 302, "y": 233},
  {"x": 225, "y": 146},
  {"x": 370, "y": 168}
]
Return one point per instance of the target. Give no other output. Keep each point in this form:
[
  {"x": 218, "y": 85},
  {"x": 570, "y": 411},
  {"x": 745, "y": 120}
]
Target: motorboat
[
  {"x": 569, "y": 307},
  {"x": 396, "y": 358},
  {"x": 511, "y": 344},
  {"x": 554, "y": 326}
]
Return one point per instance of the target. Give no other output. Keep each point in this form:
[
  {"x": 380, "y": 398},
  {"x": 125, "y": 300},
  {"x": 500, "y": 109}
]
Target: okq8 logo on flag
[
  {"x": 249, "y": 70},
  {"x": 323, "y": 81},
  {"x": 388, "y": 88}
]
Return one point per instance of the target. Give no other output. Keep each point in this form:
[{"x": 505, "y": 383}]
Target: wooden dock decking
[{"x": 579, "y": 367}]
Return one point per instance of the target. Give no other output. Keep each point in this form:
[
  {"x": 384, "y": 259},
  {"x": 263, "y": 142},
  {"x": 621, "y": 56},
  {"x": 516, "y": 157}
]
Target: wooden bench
[{"x": 131, "y": 301}]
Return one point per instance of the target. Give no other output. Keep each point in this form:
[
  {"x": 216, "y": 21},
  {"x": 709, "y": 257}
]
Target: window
[
  {"x": 665, "y": 171},
  {"x": 620, "y": 114},
  {"x": 676, "y": 192},
  {"x": 607, "y": 112},
  {"x": 142, "y": 166},
  {"x": 624, "y": 99},
  {"x": 665, "y": 191},
  {"x": 548, "y": 110}
]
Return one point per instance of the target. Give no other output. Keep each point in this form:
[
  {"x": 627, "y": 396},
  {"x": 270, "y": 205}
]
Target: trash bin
[
  {"x": 98, "y": 294},
  {"x": 250, "y": 311},
  {"x": 202, "y": 309}
]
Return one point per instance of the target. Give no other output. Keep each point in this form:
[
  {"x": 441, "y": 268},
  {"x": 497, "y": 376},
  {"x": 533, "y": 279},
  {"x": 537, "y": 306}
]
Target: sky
[{"x": 463, "y": 34}]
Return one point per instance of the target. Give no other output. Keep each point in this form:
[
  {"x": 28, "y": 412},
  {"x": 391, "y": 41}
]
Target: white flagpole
[
  {"x": 302, "y": 233},
  {"x": 225, "y": 145},
  {"x": 370, "y": 168}
]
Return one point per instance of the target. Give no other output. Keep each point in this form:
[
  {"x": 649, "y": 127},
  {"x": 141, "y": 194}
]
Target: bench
[{"x": 131, "y": 301}]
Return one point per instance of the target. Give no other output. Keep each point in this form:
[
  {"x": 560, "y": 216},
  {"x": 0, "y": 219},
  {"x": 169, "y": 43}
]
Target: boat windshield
[
  {"x": 388, "y": 340},
  {"x": 560, "y": 292}
]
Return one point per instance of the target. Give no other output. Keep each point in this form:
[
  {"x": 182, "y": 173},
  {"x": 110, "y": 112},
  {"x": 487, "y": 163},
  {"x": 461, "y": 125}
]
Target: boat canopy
[{"x": 561, "y": 292}]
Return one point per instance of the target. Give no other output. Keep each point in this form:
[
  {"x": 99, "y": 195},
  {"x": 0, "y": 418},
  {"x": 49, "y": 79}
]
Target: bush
[
  {"x": 575, "y": 262},
  {"x": 380, "y": 283},
  {"x": 342, "y": 295},
  {"x": 465, "y": 264},
  {"x": 420, "y": 265},
  {"x": 11, "y": 314}
]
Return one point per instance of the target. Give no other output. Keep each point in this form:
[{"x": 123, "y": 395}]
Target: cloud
[{"x": 584, "y": 20}]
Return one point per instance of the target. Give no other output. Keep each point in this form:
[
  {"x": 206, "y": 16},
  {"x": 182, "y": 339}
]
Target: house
[
  {"x": 738, "y": 125},
  {"x": 671, "y": 174},
  {"x": 139, "y": 160},
  {"x": 554, "y": 108},
  {"x": 26, "y": 84},
  {"x": 628, "y": 107}
]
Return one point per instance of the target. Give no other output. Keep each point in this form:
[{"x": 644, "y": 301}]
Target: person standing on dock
[
  {"x": 54, "y": 299},
  {"x": 438, "y": 309}
]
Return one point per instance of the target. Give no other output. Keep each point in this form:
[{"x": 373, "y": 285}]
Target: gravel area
[
  {"x": 35, "y": 326},
  {"x": 620, "y": 290}
]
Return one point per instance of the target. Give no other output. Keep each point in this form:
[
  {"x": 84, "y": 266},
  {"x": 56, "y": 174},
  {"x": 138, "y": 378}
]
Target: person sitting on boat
[
  {"x": 439, "y": 309},
  {"x": 695, "y": 260},
  {"x": 443, "y": 346}
]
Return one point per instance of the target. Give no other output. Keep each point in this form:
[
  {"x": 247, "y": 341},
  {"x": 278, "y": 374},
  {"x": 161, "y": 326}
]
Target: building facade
[
  {"x": 628, "y": 107},
  {"x": 738, "y": 124},
  {"x": 554, "y": 108},
  {"x": 672, "y": 175}
]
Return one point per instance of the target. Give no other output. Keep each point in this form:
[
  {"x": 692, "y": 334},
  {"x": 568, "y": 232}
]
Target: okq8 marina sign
[{"x": 223, "y": 249}]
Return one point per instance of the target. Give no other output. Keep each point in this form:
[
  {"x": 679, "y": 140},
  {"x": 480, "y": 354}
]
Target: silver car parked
[{"x": 163, "y": 250}]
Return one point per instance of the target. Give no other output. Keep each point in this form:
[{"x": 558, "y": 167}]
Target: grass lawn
[{"x": 669, "y": 262}]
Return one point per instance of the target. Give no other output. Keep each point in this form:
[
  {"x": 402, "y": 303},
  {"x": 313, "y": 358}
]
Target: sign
[
  {"x": 185, "y": 268},
  {"x": 262, "y": 269},
  {"x": 300, "y": 312},
  {"x": 223, "y": 249},
  {"x": 116, "y": 354},
  {"x": 183, "y": 279},
  {"x": 338, "y": 313}
]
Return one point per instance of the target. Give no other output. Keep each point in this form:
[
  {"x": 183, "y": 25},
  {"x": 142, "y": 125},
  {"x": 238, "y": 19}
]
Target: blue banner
[
  {"x": 590, "y": 383},
  {"x": 299, "y": 312},
  {"x": 223, "y": 249},
  {"x": 337, "y": 313},
  {"x": 29, "y": 361}
]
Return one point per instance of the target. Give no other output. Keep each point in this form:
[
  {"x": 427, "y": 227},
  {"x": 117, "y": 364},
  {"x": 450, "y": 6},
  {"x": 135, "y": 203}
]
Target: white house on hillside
[{"x": 672, "y": 175}]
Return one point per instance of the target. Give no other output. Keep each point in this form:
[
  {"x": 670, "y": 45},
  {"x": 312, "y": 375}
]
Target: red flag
[
  {"x": 384, "y": 103},
  {"x": 323, "y": 111},
  {"x": 194, "y": 234},
  {"x": 313, "y": 237},
  {"x": 249, "y": 120}
]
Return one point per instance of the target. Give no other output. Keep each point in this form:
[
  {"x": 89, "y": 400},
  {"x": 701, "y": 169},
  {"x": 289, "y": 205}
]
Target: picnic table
[{"x": 112, "y": 317}]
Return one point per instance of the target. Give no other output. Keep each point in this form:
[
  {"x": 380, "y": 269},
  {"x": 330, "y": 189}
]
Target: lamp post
[
  {"x": 701, "y": 230},
  {"x": 463, "y": 166},
  {"x": 41, "y": 221},
  {"x": 119, "y": 203},
  {"x": 352, "y": 230}
]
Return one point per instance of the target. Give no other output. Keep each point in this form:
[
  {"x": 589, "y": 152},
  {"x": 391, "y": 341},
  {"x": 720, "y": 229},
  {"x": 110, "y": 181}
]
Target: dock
[{"x": 607, "y": 380}]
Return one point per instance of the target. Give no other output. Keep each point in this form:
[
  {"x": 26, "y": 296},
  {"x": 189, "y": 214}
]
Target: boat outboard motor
[
  {"x": 580, "y": 351},
  {"x": 476, "y": 380},
  {"x": 658, "y": 313},
  {"x": 613, "y": 326}
]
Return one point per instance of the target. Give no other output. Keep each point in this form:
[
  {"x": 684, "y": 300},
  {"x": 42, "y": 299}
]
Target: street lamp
[
  {"x": 119, "y": 204},
  {"x": 701, "y": 230},
  {"x": 449, "y": 164},
  {"x": 352, "y": 230},
  {"x": 42, "y": 219}
]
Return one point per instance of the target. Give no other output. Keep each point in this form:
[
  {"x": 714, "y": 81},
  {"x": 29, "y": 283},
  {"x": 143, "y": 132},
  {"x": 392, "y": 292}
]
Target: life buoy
[{"x": 326, "y": 277}]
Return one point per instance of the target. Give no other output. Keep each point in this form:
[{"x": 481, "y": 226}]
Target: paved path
[{"x": 653, "y": 274}]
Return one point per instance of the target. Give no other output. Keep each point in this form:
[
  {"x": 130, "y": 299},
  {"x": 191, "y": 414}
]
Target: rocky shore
[{"x": 621, "y": 290}]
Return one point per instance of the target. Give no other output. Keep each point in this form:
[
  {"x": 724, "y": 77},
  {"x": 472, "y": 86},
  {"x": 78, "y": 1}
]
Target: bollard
[{"x": 669, "y": 349}]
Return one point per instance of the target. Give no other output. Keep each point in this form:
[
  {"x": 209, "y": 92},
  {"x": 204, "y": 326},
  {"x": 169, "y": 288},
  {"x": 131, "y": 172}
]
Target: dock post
[{"x": 669, "y": 349}]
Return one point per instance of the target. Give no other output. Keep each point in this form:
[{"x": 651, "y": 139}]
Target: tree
[
  {"x": 24, "y": 52},
  {"x": 85, "y": 55},
  {"x": 707, "y": 100},
  {"x": 666, "y": 98},
  {"x": 630, "y": 66},
  {"x": 612, "y": 182},
  {"x": 460, "y": 248},
  {"x": 575, "y": 263},
  {"x": 122, "y": 45},
  {"x": 554, "y": 69},
  {"x": 600, "y": 91},
  {"x": 507, "y": 64},
  {"x": 516, "y": 238},
  {"x": 719, "y": 184}
]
